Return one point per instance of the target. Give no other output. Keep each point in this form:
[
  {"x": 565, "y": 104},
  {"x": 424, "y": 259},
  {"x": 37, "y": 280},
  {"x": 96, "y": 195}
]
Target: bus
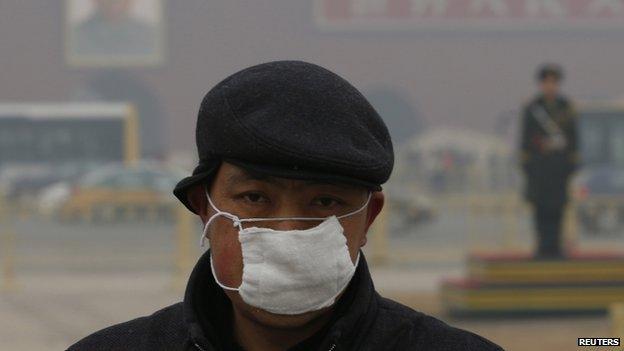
[{"x": 42, "y": 143}]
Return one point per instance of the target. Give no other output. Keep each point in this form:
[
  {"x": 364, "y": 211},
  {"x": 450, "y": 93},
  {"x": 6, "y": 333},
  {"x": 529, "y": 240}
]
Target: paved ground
[{"x": 44, "y": 314}]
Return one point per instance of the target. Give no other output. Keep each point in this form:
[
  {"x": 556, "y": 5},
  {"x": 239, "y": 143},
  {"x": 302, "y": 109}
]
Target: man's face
[
  {"x": 550, "y": 86},
  {"x": 236, "y": 191},
  {"x": 113, "y": 9}
]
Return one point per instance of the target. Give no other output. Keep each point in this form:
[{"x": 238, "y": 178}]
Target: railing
[{"x": 510, "y": 226}]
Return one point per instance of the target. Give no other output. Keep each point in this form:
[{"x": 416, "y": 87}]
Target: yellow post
[
  {"x": 570, "y": 233},
  {"x": 183, "y": 237},
  {"x": 470, "y": 212},
  {"x": 511, "y": 214},
  {"x": 616, "y": 312},
  {"x": 8, "y": 261},
  {"x": 380, "y": 235},
  {"x": 132, "y": 148},
  {"x": 7, "y": 250}
]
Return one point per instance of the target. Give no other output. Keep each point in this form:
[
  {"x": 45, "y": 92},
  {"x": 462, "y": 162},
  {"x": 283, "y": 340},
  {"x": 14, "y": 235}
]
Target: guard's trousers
[{"x": 548, "y": 223}]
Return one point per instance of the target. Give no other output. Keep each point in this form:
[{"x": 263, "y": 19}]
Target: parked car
[
  {"x": 116, "y": 193},
  {"x": 22, "y": 183},
  {"x": 599, "y": 192}
]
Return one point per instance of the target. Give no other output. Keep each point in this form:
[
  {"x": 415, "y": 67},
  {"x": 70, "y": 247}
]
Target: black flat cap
[{"x": 291, "y": 119}]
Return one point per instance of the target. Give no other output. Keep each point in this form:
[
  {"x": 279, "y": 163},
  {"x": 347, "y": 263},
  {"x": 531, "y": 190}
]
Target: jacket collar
[{"x": 204, "y": 300}]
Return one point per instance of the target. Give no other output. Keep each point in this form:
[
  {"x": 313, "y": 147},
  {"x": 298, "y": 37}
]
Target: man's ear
[
  {"x": 375, "y": 206},
  {"x": 197, "y": 199}
]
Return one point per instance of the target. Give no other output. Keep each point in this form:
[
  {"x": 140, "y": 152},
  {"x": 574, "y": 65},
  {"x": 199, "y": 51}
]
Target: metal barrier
[
  {"x": 183, "y": 239},
  {"x": 508, "y": 208},
  {"x": 511, "y": 207}
]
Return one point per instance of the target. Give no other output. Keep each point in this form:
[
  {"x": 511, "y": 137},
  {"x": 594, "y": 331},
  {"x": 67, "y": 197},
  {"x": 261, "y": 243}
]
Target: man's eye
[
  {"x": 255, "y": 198},
  {"x": 326, "y": 201}
]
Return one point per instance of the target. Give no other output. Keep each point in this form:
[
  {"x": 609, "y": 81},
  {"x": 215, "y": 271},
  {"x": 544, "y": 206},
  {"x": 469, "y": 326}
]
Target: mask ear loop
[
  {"x": 370, "y": 194},
  {"x": 236, "y": 222}
]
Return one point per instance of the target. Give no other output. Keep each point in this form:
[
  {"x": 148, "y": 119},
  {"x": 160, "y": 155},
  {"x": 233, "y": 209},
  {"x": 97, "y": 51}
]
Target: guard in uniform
[{"x": 549, "y": 157}]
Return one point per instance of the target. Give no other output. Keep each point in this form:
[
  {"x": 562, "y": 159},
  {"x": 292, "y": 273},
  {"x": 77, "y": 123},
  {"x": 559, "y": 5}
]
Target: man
[
  {"x": 549, "y": 157},
  {"x": 292, "y": 158},
  {"x": 113, "y": 31}
]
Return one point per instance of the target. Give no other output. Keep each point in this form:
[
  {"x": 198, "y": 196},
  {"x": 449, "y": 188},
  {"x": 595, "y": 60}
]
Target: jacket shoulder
[
  {"x": 528, "y": 106},
  {"x": 420, "y": 331},
  {"x": 163, "y": 330},
  {"x": 530, "y": 102}
]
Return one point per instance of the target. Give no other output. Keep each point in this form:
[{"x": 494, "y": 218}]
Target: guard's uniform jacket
[
  {"x": 549, "y": 157},
  {"x": 362, "y": 320},
  {"x": 548, "y": 168}
]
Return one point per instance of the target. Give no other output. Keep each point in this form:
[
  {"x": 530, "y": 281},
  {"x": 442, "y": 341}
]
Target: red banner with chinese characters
[{"x": 466, "y": 14}]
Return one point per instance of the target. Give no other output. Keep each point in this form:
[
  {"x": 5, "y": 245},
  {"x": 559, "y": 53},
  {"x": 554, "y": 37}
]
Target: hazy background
[
  {"x": 459, "y": 78},
  {"x": 443, "y": 84}
]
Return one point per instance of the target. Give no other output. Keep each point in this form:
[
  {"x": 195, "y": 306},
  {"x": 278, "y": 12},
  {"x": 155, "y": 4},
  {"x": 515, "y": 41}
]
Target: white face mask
[{"x": 291, "y": 271}]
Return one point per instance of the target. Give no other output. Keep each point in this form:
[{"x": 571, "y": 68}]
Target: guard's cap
[{"x": 291, "y": 119}]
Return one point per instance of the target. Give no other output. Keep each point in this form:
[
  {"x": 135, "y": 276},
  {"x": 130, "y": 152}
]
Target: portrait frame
[{"x": 148, "y": 18}]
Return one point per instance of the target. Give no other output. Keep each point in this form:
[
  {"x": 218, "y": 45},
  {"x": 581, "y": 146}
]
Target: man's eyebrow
[{"x": 243, "y": 176}]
